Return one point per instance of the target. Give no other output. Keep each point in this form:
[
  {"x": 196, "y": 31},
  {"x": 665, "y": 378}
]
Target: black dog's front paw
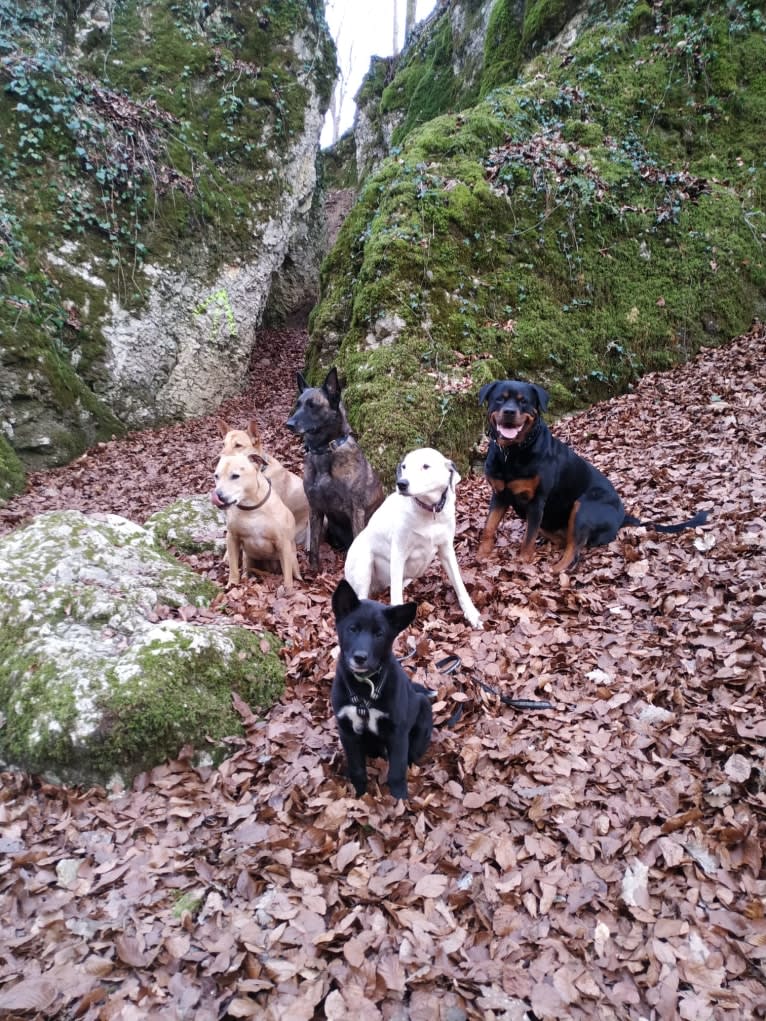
[
  {"x": 360, "y": 785},
  {"x": 398, "y": 789}
]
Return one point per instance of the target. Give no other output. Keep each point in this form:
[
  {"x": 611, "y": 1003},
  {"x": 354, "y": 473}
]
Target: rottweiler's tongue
[
  {"x": 508, "y": 433},
  {"x": 216, "y": 500}
]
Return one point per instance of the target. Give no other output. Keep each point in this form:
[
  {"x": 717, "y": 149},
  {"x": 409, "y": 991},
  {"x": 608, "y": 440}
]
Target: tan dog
[
  {"x": 258, "y": 524},
  {"x": 287, "y": 485}
]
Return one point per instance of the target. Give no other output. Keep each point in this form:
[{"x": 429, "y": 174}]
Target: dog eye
[
  {"x": 235, "y": 475},
  {"x": 354, "y": 629},
  {"x": 426, "y": 467}
]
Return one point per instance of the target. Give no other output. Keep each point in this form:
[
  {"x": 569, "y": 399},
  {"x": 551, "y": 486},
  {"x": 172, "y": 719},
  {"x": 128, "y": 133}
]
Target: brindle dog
[{"x": 341, "y": 487}]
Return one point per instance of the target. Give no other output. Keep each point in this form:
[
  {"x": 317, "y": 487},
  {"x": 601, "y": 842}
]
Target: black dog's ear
[
  {"x": 400, "y": 617},
  {"x": 302, "y": 384},
  {"x": 485, "y": 391},
  {"x": 331, "y": 387},
  {"x": 542, "y": 396},
  {"x": 344, "y": 600}
]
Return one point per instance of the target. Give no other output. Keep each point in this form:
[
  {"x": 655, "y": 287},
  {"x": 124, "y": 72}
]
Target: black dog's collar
[
  {"x": 328, "y": 448},
  {"x": 260, "y": 503},
  {"x": 362, "y": 705},
  {"x": 528, "y": 440}
]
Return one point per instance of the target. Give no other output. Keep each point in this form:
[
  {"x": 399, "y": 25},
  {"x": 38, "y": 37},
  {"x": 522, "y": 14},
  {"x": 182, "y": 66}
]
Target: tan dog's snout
[{"x": 231, "y": 477}]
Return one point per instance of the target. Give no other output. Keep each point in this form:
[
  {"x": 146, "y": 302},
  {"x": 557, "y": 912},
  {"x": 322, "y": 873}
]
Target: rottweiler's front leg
[
  {"x": 534, "y": 517},
  {"x": 497, "y": 508}
]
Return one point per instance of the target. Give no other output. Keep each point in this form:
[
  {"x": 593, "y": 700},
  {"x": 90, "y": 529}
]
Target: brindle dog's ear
[
  {"x": 542, "y": 396},
  {"x": 331, "y": 387},
  {"x": 344, "y": 600},
  {"x": 400, "y": 617},
  {"x": 302, "y": 384},
  {"x": 485, "y": 392}
]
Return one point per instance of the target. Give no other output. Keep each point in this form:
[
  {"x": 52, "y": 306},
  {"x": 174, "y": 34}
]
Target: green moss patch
[{"x": 11, "y": 472}]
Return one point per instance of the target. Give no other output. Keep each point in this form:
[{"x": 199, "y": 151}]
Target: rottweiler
[
  {"x": 379, "y": 711},
  {"x": 340, "y": 484},
  {"x": 557, "y": 492}
]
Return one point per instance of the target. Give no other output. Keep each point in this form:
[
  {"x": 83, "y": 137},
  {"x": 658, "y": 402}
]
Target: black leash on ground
[{"x": 451, "y": 664}]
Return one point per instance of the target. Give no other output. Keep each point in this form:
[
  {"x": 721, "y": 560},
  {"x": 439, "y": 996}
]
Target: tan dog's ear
[
  {"x": 222, "y": 425},
  {"x": 257, "y": 459}
]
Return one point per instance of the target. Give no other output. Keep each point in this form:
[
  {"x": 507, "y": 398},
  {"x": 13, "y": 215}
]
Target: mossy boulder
[
  {"x": 158, "y": 166},
  {"x": 190, "y": 525},
  {"x": 599, "y": 216},
  {"x": 96, "y": 681}
]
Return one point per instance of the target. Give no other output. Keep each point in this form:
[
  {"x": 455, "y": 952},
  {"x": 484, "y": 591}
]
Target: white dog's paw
[{"x": 474, "y": 619}]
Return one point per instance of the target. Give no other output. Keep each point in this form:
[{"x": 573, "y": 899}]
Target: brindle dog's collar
[
  {"x": 260, "y": 503},
  {"x": 328, "y": 448},
  {"x": 528, "y": 440}
]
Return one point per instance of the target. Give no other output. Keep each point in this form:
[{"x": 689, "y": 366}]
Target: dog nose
[
  {"x": 359, "y": 658},
  {"x": 290, "y": 424},
  {"x": 402, "y": 485}
]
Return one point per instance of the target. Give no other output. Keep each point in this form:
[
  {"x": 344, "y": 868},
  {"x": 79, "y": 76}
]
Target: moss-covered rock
[
  {"x": 157, "y": 159},
  {"x": 93, "y": 683},
  {"x": 11, "y": 471},
  {"x": 190, "y": 525},
  {"x": 601, "y": 216}
]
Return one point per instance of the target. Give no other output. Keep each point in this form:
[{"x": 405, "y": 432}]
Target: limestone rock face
[
  {"x": 96, "y": 681},
  {"x": 158, "y": 168}
]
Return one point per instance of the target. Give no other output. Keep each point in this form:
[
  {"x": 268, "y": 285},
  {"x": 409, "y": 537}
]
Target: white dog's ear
[{"x": 452, "y": 467}]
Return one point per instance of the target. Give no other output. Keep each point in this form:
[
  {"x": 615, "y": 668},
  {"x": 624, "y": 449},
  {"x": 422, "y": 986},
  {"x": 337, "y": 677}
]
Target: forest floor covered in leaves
[{"x": 601, "y": 859}]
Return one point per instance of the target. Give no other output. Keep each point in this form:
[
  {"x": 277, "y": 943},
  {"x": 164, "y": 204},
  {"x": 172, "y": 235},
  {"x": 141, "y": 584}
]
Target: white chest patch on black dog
[{"x": 368, "y": 720}]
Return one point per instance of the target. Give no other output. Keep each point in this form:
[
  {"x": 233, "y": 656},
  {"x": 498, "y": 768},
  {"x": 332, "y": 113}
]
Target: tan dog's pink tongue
[{"x": 216, "y": 500}]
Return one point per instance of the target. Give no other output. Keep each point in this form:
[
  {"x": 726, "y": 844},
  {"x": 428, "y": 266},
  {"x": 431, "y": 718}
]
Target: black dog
[
  {"x": 339, "y": 481},
  {"x": 380, "y": 712},
  {"x": 552, "y": 488}
]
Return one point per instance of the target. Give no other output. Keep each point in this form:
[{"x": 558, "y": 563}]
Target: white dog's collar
[{"x": 438, "y": 507}]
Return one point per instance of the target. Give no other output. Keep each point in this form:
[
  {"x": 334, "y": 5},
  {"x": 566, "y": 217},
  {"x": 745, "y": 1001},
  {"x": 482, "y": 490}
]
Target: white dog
[{"x": 411, "y": 526}]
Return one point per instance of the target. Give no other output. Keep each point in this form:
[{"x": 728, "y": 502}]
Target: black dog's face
[
  {"x": 317, "y": 410},
  {"x": 367, "y": 629},
  {"x": 513, "y": 408}
]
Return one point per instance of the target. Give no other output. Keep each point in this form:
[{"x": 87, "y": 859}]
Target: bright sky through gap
[{"x": 360, "y": 29}]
